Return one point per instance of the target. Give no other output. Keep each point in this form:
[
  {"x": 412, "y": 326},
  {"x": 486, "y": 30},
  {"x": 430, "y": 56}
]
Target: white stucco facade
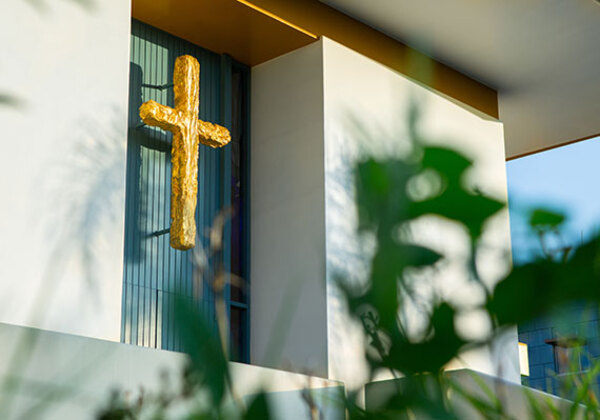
[
  {"x": 71, "y": 377},
  {"x": 364, "y": 110},
  {"x": 287, "y": 186},
  {"x": 62, "y": 173}
]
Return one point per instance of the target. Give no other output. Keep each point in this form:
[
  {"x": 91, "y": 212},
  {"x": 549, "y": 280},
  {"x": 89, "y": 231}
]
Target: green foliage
[
  {"x": 208, "y": 364},
  {"x": 392, "y": 195},
  {"x": 117, "y": 409},
  {"x": 535, "y": 288},
  {"x": 531, "y": 290},
  {"x": 384, "y": 207},
  {"x": 259, "y": 408},
  {"x": 455, "y": 202},
  {"x": 428, "y": 355},
  {"x": 545, "y": 219},
  {"x": 205, "y": 391}
]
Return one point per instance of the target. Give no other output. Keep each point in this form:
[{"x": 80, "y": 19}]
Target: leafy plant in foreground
[
  {"x": 388, "y": 210},
  {"x": 528, "y": 291}
]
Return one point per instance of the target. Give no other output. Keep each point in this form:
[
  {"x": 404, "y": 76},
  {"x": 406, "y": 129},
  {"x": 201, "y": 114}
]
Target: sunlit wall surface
[
  {"x": 63, "y": 165},
  {"x": 564, "y": 180},
  {"x": 319, "y": 110}
]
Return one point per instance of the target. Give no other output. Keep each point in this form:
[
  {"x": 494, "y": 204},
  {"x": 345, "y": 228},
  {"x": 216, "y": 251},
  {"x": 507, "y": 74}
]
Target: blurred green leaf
[
  {"x": 200, "y": 340},
  {"x": 258, "y": 409},
  {"x": 416, "y": 256},
  {"x": 450, "y": 164},
  {"x": 534, "y": 289},
  {"x": 117, "y": 409},
  {"x": 387, "y": 269},
  {"x": 545, "y": 219},
  {"x": 432, "y": 353},
  {"x": 584, "y": 396},
  {"x": 456, "y": 204},
  {"x": 418, "y": 396},
  {"x": 381, "y": 192}
]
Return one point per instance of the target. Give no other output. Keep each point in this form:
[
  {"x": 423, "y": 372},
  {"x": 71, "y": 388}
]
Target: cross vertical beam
[{"x": 184, "y": 154}]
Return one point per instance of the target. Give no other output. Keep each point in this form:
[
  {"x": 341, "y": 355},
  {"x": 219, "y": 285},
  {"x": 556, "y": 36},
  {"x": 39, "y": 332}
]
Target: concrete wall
[
  {"x": 366, "y": 112},
  {"x": 315, "y": 112},
  {"x": 288, "y": 294},
  {"x": 60, "y": 376},
  {"x": 63, "y": 171},
  {"x": 62, "y": 168}
]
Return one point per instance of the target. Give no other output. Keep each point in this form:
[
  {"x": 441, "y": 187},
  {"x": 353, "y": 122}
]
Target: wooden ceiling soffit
[
  {"x": 255, "y": 31},
  {"x": 323, "y": 20},
  {"x": 248, "y": 33}
]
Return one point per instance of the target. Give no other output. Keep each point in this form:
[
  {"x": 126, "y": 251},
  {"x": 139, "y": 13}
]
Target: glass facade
[
  {"x": 566, "y": 341},
  {"x": 156, "y": 275}
]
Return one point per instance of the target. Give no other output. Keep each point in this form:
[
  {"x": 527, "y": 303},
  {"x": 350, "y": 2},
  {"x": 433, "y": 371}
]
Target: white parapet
[{"x": 61, "y": 376}]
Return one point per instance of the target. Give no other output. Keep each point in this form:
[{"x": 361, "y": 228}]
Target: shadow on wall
[
  {"x": 10, "y": 101},
  {"x": 43, "y": 6},
  {"x": 79, "y": 208},
  {"x": 145, "y": 150},
  {"x": 84, "y": 191}
]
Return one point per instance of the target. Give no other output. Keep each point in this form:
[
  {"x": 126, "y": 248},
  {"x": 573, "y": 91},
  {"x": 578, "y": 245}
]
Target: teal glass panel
[{"x": 154, "y": 272}]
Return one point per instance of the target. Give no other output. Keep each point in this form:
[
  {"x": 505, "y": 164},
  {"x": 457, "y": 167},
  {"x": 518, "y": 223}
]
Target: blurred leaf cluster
[
  {"x": 204, "y": 390},
  {"x": 387, "y": 212},
  {"x": 392, "y": 195}
]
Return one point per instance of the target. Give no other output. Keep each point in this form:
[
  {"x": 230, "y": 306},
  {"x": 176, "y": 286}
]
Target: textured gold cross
[{"x": 188, "y": 131}]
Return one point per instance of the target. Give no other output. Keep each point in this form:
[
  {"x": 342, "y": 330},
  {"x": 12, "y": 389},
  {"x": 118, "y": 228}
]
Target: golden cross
[{"x": 188, "y": 131}]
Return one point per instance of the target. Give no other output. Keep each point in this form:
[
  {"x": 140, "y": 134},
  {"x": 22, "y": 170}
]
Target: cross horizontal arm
[
  {"x": 155, "y": 114},
  {"x": 213, "y": 135}
]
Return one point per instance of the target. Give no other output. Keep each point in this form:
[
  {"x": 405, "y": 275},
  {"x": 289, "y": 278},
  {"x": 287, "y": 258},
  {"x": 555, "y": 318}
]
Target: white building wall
[
  {"x": 62, "y": 168},
  {"x": 63, "y": 171},
  {"x": 366, "y": 112},
  {"x": 314, "y": 111},
  {"x": 287, "y": 193}
]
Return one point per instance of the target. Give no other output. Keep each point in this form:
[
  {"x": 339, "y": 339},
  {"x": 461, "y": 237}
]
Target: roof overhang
[
  {"x": 248, "y": 33},
  {"x": 542, "y": 57},
  {"x": 254, "y": 31}
]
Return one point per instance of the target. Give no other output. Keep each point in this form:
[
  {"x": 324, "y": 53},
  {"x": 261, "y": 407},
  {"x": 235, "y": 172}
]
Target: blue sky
[{"x": 566, "y": 179}]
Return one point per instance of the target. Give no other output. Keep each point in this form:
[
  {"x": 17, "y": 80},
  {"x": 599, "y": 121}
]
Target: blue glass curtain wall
[{"x": 154, "y": 273}]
